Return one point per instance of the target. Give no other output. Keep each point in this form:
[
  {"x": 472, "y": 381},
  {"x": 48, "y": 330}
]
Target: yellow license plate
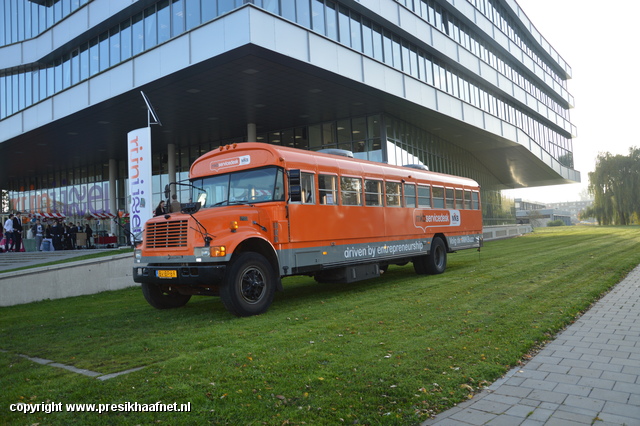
[{"x": 172, "y": 273}]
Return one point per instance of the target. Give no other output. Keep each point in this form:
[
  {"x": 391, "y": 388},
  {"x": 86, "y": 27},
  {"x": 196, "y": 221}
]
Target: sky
[{"x": 599, "y": 41}]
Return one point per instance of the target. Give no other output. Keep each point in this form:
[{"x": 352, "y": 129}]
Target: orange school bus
[{"x": 261, "y": 212}]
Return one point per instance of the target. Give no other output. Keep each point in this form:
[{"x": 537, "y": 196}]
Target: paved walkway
[{"x": 589, "y": 375}]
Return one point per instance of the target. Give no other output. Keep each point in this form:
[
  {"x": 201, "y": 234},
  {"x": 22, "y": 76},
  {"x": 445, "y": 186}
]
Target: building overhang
[{"x": 214, "y": 98}]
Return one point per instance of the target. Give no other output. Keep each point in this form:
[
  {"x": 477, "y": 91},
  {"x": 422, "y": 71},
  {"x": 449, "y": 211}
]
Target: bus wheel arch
[{"x": 262, "y": 247}]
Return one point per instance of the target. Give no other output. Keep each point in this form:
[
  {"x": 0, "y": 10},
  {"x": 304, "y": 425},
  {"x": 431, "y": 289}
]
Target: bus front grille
[{"x": 167, "y": 234}]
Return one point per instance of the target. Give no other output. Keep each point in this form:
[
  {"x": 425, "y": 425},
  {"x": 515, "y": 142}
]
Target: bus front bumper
[{"x": 180, "y": 275}]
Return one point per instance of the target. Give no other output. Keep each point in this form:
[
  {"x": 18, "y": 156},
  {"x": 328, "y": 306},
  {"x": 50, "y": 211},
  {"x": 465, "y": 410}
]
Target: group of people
[
  {"x": 12, "y": 233},
  {"x": 49, "y": 236},
  {"x": 173, "y": 207}
]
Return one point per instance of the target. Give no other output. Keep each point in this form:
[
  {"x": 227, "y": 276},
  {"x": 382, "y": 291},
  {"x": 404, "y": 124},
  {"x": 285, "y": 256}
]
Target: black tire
[
  {"x": 435, "y": 262},
  {"x": 160, "y": 299},
  {"x": 249, "y": 285},
  {"x": 437, "y": 258}
]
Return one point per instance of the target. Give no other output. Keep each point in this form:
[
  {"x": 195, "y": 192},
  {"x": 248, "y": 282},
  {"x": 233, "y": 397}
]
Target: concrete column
[
  {"x": 171, "y": 166},
  {"x": 113, "y": 202},
  {"x": 252, "y": 136}
]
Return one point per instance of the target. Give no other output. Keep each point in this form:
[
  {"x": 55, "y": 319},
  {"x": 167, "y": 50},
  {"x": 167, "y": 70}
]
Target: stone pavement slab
[{"x": 589, "y": 375}]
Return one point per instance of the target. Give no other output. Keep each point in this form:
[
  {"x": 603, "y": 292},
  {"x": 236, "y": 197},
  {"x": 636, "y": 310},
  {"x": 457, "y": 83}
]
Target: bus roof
[{"x": 247, "y": 155}]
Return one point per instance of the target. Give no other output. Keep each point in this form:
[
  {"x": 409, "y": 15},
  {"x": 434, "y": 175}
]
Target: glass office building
[{"x": 470, "y": 88}]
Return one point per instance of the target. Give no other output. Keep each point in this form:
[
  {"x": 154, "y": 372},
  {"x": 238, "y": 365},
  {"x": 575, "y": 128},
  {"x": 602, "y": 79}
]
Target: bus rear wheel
[
  {"x": 435, "y": 262},
  {"x": 161, "y": 299},
  {"x": 250, "y": 285}
]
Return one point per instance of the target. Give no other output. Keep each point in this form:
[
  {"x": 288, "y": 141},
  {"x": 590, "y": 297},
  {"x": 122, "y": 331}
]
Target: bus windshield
[{"x": 243, "y": 187}]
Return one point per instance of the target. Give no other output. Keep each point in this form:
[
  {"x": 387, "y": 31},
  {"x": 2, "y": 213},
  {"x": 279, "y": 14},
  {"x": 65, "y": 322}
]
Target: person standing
[
  {"x": 38, "y": 232},
  {"x": 17, "y": 232},
  {"x": 175, "y": 205},
  {"x": 89, "y": 232},
  {"x": 160, "y": 210},
  {"x": 8, "y": 232},
  {"x": 56, "y": 233}
]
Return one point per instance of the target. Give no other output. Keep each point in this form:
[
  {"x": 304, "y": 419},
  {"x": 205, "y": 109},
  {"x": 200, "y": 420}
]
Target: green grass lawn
[{"x": 393, "y": 350}]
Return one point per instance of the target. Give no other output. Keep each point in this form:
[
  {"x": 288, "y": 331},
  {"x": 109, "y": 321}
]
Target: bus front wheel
[
  {"x": 435, "y": 262},
  {"x": 250, "y": 285},
  {"x": 160, "y": 299}
]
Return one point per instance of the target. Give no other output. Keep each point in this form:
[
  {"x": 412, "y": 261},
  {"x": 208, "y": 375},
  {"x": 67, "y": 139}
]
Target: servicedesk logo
[
  {"x": 243, "y": 160},
  {"x": 424, "y": 219}
]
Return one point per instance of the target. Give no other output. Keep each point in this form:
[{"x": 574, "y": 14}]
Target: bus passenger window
[
  {"x": 467, "y": 199},
  {"x": 307, "y": 188},
  {"x": 438, "y": 197},
  {"x": 392, "y": 190},
  {"x": 351, "y": 191},
  {"x": 373, "y": 192},
  {"x": 459, "y": 203},
  {"x": 424, "y": 196},
  {"x": 475, "y": 197},
  {"x": 328, "y": 188},
  {"x": 409, "y": 195},
  {"x": 449, "y": 200}
]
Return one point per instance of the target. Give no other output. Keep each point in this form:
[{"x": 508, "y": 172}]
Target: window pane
[
  {"x": 351, "y": 191},
  {"x": 308, "y": 189},
  {"x": 424, "y": 196},
  {"x": 317, "y": 12},
  {"x": 208, "y": 10},
  {"x": 177, "y": 11},
  {"x": 392, "y": 192},
  {"x": 449, "y": 200},
  {"x": 409, "y": 195},
  {"x": 331, "y": 20},
  {"x": 438, "y": 197},
  {"x": 125, "y": 40},
  {"x": 192, "y": 13},
  {"x": 343, "y": 22},
  {"x": 467, "y": 199},
  {"x": 103, "y": 46},
  {"x": 114, "y": 46},
  {"x": 137, "y": 34},
  {"x": 75, "y": 67},
  {"x": 476, "y": 200},
  {"x": 356, "y": 33},
  {"x": 367, "y": 38},
  {"x": 328, "y": 188},
  {"x": 225, "y": 6},
  {"x": 459, "y": 199},
  {"x": 303, "y": 13},
  {"x": 373, "y": 192},
  {"x": 377, "y": 42},
  {"x": 164, "y": 21},
  {"x": 150, "y": 28},
  {"x": 289, "y": 9}
]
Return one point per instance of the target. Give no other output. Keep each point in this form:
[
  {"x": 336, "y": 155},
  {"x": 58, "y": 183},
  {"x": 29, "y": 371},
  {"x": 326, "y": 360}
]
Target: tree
[{"x": 615, "y": 186}]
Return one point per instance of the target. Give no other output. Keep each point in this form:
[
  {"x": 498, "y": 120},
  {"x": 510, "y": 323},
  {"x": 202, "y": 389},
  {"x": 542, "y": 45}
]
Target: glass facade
[
  {"x": 25, "y": 19},
  {"x": 377, "y": 137},
  {"x": 169, "y": 18}
]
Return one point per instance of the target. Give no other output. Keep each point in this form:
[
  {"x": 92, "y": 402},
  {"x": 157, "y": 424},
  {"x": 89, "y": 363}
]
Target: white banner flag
[{"x": 140, "y": 182}]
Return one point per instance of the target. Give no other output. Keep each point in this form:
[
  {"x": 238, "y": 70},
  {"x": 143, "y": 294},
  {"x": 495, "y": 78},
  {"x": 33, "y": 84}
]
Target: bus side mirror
[{"x": 295, "y": 190}]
